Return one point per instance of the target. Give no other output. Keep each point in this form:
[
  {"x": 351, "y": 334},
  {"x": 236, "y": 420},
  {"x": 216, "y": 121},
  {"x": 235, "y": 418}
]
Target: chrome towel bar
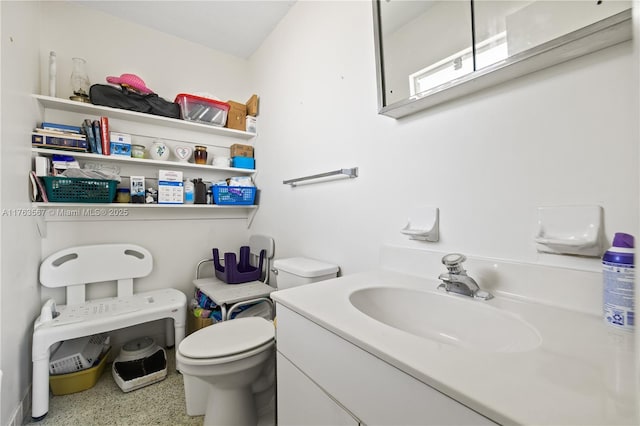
[{"x": 351, "y": 173}]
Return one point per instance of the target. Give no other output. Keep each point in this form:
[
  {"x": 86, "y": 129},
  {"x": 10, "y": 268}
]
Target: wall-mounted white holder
[
  {"x": 570, "y": 230},
  {"x": 426, "y": 228}
]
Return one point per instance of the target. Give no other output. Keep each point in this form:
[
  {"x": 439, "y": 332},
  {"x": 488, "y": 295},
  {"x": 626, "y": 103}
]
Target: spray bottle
[{"x": 618, "y": 278}]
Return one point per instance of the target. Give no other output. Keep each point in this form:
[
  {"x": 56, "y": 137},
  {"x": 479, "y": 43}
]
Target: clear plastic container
[{"x": 203, "y": 110}]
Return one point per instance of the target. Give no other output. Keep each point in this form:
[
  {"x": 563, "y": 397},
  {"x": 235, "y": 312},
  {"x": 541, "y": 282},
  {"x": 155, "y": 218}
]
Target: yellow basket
[{"x": 63, "y": 384}]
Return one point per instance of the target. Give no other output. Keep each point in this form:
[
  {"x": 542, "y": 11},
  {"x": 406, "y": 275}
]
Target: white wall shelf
[
  {"x": 103, "y": 212},
  {"x": 145, "y": 125},
  {"x": 61, "y": 212},
  {"x": 141, "y": 161},
  {"x": 139, "y": 117},
  {"x": 141, "y": 205}
]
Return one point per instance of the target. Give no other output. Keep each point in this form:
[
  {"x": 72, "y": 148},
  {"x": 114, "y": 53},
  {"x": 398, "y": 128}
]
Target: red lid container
[{"x": 203, "y": 110}]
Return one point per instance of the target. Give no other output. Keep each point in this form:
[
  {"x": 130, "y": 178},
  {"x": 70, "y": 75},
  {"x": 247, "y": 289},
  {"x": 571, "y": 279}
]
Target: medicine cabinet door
[
  {"x": 425, "y": 44},
  {"x": 506, "y": 28}
]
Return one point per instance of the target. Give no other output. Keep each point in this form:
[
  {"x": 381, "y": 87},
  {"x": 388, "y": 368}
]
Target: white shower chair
[
  {"x": 232, "y": 296},
  {"x": 75, "y": 267}
]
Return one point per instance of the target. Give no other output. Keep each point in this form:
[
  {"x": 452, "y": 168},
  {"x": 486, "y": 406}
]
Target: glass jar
[
  {"x": 80, "y": 80},
  {"x": 123, "y": 195},
  {"x": 200, "y": 154},
  {"x": 137, "y": 151}
]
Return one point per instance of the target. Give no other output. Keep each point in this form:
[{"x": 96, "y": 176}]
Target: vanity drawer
[{"x": 374, "y": 391}]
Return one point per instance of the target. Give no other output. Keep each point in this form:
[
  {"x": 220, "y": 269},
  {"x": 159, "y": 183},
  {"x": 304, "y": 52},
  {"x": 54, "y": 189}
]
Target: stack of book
[
  {"x": 97, "y": 132},
  {"x": 59, "y": 136},
  {"x": 91, "y": 136}
]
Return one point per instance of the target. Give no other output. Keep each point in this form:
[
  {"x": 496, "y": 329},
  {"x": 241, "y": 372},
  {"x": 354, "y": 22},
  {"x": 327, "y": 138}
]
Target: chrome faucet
[{"x": 457, "y": 281}]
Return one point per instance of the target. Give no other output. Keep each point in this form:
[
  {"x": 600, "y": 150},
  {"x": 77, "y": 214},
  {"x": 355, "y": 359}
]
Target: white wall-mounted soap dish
[
  {"x": 573, "y": 230},
  {"x": 423, "y": 225}
]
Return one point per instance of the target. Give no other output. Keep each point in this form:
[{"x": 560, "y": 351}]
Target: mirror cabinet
[{"x": 432, "y": 51}]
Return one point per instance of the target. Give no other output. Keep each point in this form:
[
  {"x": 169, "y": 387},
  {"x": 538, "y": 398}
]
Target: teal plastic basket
[
  {"x": 234, "y": 195},
  {"x": 79, "y": 190}
]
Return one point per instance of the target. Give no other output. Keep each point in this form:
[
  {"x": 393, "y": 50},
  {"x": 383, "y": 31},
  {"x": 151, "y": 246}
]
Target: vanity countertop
[{"x": 581, "y": 373}]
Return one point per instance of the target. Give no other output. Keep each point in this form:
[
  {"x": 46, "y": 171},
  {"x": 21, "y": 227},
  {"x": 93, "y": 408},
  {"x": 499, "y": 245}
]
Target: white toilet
[{"x": 224, "y": 364}]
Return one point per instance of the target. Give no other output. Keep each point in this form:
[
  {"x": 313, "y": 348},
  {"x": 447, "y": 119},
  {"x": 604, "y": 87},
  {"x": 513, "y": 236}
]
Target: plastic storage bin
[
  {"x": 237, "y": 272},
  {"x": 77, "y": 354},
  {"x": 243, "y": 162},
  {"x": 234, "y": 195},
  {"x": 203, "y": 110},
  {"x": 64, "y": 384},
  {"x": 79, "y": 190}
]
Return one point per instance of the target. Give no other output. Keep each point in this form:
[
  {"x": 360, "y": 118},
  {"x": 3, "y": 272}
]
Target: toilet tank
[{"x": 296, "y": 271}]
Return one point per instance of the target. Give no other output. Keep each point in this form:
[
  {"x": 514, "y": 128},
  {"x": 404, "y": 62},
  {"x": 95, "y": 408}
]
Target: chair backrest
[
  {"x": 75, "y": 267},
  {"x": 257, "y": 243}
]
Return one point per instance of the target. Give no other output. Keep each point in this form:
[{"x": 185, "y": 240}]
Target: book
[
  {"x": 61, "y": 127},
  {"x": 104, "y": 136},
  {"x": 87, "y": 129},
  {"x": 96, "y": 136},
  {"x": 40, "y": 193},
  {"x": 58, "y": 133},
  {"x": 59, "y": 142},
  {"x": 33, "y": 194}
]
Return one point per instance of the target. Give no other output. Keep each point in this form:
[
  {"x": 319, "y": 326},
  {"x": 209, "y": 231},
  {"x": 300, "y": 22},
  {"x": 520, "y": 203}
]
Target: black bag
[{"x": 103, "y": 94}]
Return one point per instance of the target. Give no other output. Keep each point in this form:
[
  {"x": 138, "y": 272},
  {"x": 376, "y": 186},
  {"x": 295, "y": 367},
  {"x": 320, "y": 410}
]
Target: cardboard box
[
  {"x": 120, "y": 137},
  {"x": 137, "y": 189},
  {"x": 237, "y": 116},
  {"x": 239, "y": 150},
  {"x": 196, "y": 323},
  {"x": 251, "y": 124},
  {"x": 252, "y": 106},
  {"x": 170, "y": 187},
  {"x": 169, "y": 176},
  {"x": 120, "y": 144}
]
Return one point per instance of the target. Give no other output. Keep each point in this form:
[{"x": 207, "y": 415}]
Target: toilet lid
[{"x": 228, "y": 338}]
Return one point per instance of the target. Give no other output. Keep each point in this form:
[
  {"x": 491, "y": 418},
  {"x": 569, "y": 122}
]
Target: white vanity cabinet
[
  {"x": 319, "y": 371},
  {"x": 144, "y": 129},
  {"x": 302, "y": 402}
]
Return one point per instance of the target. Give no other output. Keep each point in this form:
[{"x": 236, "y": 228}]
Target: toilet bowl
[
  {"x": 229, "y": 357},
  {"x": 229, "y": 367}
]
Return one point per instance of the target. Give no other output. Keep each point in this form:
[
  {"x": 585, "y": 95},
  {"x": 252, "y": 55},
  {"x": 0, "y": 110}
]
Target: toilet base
[
  {"x": 196, "y": 393},
  {"x": 229, "y": 407}
]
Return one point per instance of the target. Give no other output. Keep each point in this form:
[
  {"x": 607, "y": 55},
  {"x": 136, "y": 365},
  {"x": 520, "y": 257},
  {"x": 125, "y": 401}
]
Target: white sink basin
[{"x": 452, "y": 319}]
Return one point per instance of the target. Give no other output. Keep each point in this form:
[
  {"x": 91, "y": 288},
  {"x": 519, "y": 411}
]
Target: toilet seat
[{"x": 238, "y": 337}]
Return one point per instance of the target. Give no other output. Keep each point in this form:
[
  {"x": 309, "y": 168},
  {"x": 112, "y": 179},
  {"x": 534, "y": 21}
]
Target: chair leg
[{"x": 40, "y": 390}]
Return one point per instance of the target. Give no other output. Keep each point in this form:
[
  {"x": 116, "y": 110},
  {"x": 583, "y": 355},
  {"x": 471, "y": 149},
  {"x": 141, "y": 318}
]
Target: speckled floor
[{"x": 161, "y": 403}]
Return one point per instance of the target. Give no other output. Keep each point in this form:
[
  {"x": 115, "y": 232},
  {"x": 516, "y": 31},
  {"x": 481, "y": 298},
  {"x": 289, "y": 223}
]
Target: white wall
[
  {"x": 560, "y": 136},
  {"x": 636, "y": 90},
  {"x": 564, "y": 135},
  {"x": 169, "y": 66},
  {"x": 20, "y": 243},
  {"x": 111, "y": 47}
]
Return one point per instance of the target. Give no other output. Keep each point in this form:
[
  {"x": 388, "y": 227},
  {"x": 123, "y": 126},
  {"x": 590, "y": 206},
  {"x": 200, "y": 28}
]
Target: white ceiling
[{"x": 237, "y": 27}]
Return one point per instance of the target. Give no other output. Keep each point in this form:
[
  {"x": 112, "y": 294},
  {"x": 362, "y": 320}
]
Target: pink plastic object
[{"x": 132, "y": 81}]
